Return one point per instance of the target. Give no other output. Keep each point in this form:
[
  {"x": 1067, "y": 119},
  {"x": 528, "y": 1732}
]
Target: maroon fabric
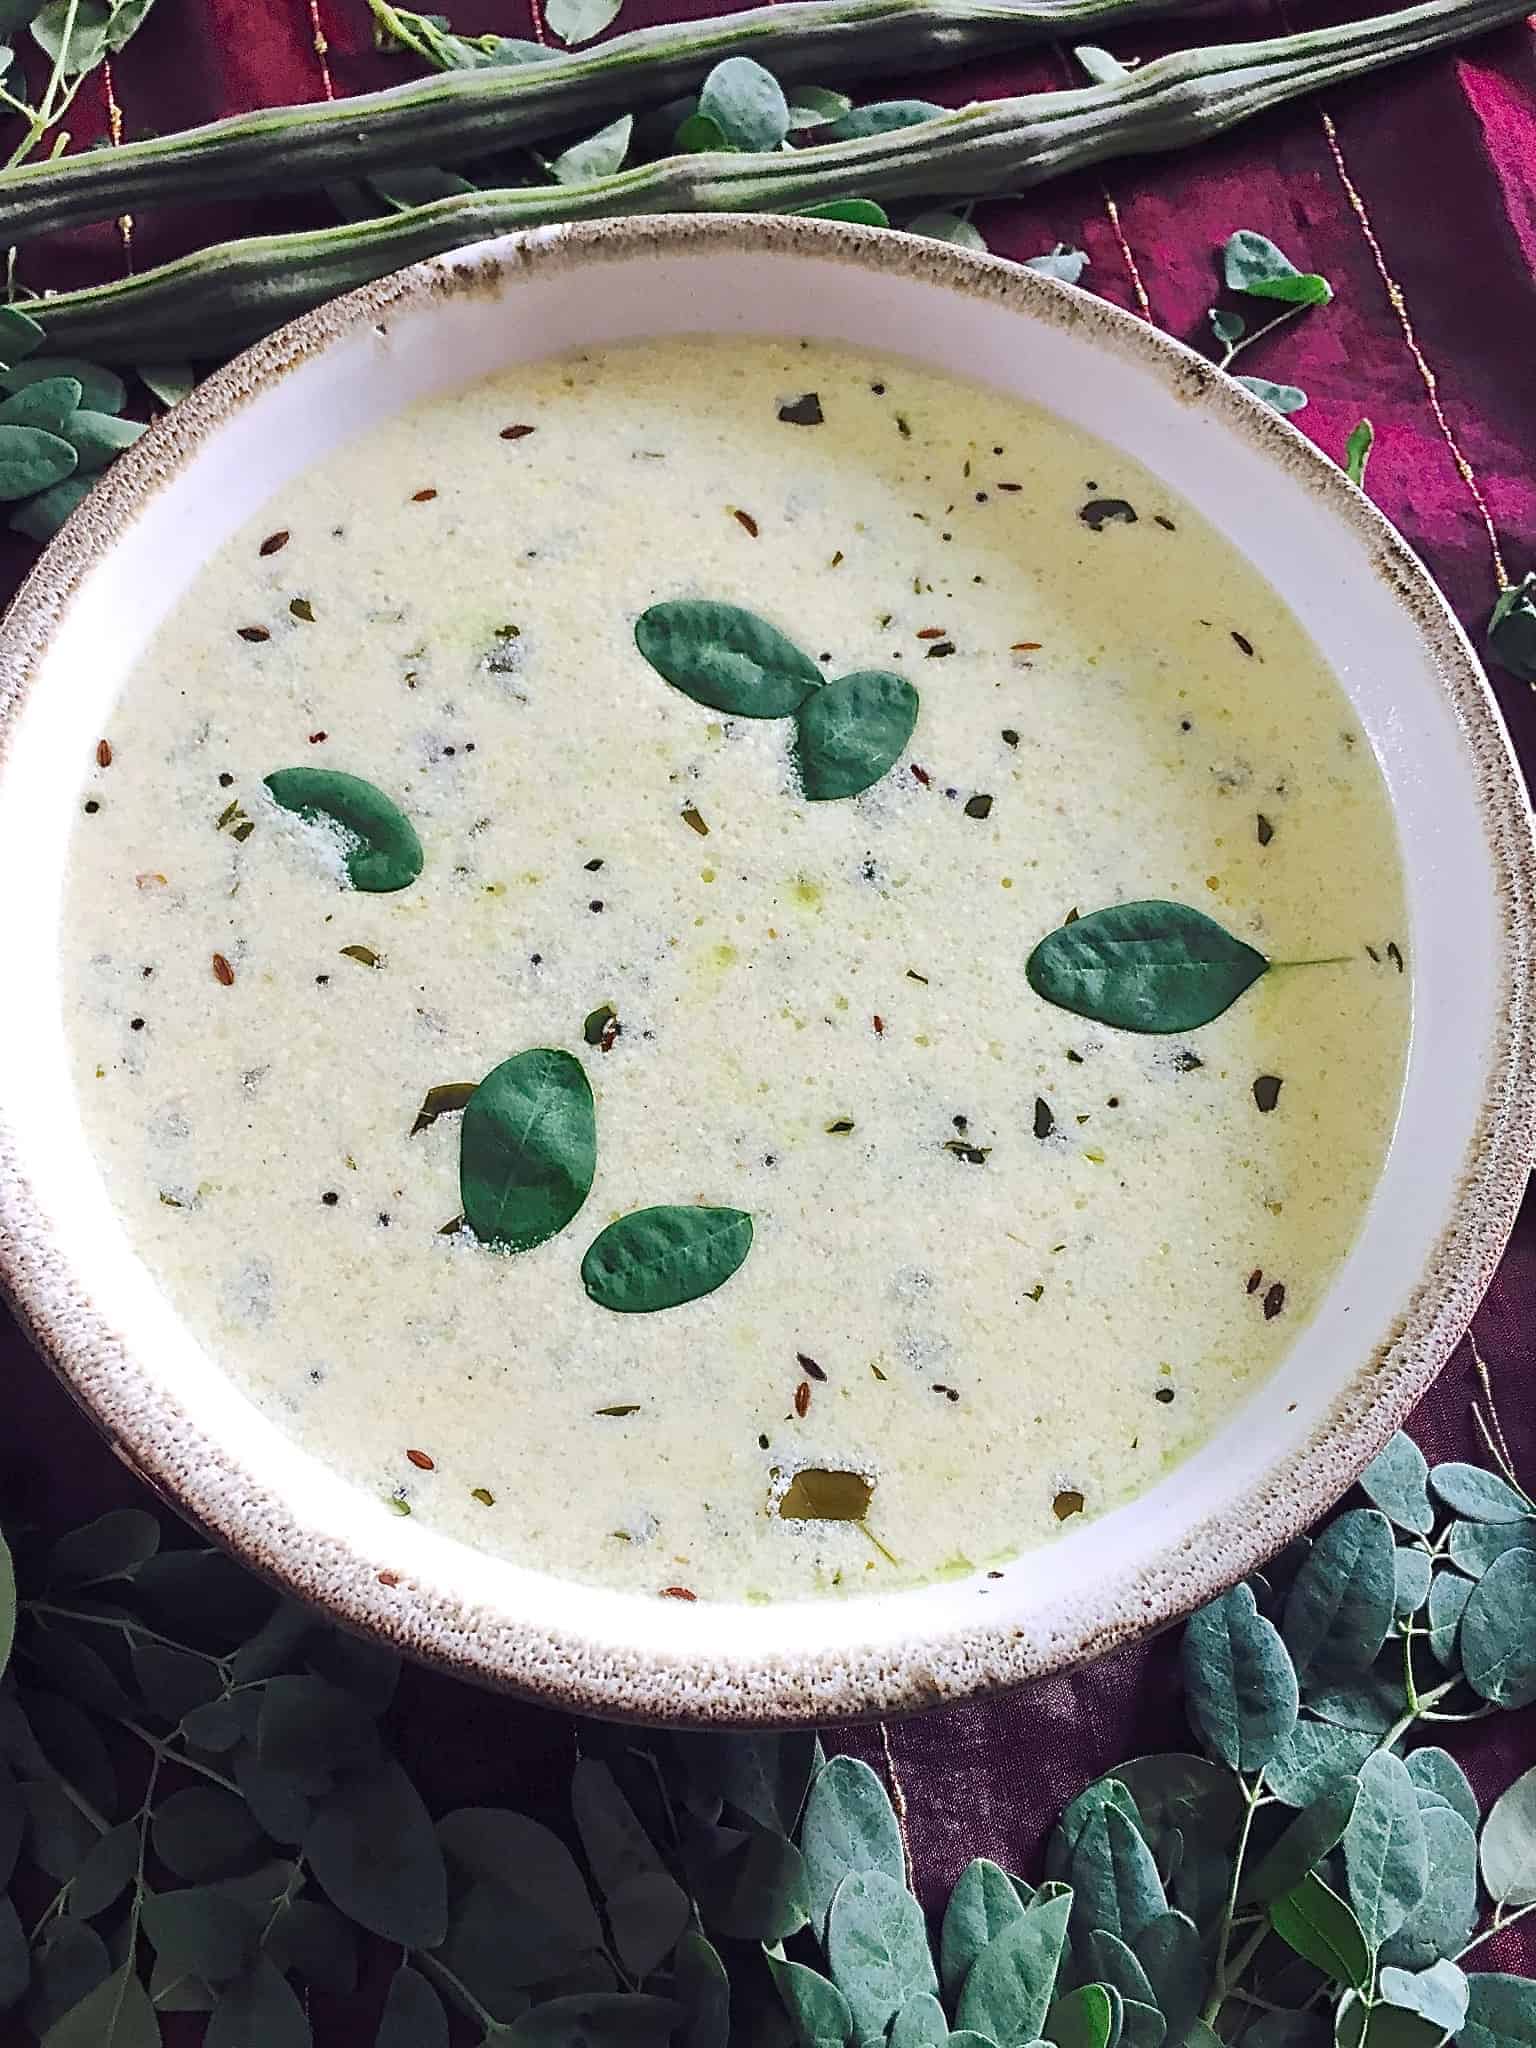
[{"x": 1416, "y": 194}]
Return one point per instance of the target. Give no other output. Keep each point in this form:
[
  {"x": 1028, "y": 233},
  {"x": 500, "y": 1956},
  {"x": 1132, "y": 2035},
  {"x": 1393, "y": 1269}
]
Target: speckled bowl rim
[{"x": 159, "y": 1441}]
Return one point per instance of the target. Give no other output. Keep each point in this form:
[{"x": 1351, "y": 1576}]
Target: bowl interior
[{"x": 1434, "y": 1228}]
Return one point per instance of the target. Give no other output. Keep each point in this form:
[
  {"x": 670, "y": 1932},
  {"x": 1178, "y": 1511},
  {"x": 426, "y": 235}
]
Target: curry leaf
[
  {"x": 1396, "y": 1482},
  {"x": 384, "y": 854},
  {"x": 746, "y": 103},
  {"x": 1148, "y": 967},
  {"x": 1113, "y": 1877},
  {"x": 1340, "y": 1606},
  {"x": 726, "y": 658},
  {"x": 527, "y": 1149},
  {"x": 1498, "y": 1632},
  {"x": 849, "y": 1825},
  {"x": 663, "y": 1257},
  {"x": 1385, "y": 1851},
  {"x": 1315, "y": 1921},
  {"x": 851, "y": 732},
  {"x": 1239, "y": 1681}
]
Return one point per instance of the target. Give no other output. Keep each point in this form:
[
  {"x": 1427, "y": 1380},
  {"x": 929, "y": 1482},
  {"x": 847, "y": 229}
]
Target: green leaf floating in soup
[
  {"x": 818, "y": 1495},
  {"x": 852, "y": 731},
  {"x": 726, "y": 658},
  {"x": 660, "y": 1258},
  {"x": 1150, "y": 967},
  {"x": 527, "y": 1149},
  {"x": 387, "y": 855}
]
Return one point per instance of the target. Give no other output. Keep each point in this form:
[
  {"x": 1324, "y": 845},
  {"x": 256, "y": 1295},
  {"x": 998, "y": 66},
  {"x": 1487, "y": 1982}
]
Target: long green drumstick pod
[
  {"x": 224, "y": 296},
  {"x": 464, "y": 114}
]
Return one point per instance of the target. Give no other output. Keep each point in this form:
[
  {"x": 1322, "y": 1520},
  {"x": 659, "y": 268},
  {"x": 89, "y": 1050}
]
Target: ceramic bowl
[{"x": 1434, "y": 1230}]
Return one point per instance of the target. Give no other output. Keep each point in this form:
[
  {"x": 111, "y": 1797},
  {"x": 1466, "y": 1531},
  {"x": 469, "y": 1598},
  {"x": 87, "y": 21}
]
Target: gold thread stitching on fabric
[
  {"x": 898, "y": 1801},
  {"x": 115, "y": 131},
  {"x": 321, "y": 48},
  {"x": 1399, "y": 305}
]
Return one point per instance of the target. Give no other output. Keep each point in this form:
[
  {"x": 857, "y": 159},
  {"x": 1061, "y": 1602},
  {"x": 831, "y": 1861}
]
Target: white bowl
[{"x": 1435, "y": 1228}]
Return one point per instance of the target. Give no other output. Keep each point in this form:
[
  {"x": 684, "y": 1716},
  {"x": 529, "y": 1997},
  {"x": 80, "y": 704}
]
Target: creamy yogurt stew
[{"x": 974, "y": 1200}]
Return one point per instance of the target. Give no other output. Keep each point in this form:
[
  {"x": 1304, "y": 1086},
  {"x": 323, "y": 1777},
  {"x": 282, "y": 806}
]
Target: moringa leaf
[
  {"x": 1064, "y": 264},
  {"x": 41, "y": 517},
  {"x": 849, "y": 1825},
  {"x": 169, "y": 382},
  {"x": 984, "y": 1901},
  {"x": 71, "y": 1959},
  {"x": 578, "y": 21},
  {"x": 1439, "y": 1780},
  {"x": 1316, "y": 1922},
  {"x": 617, "y": 1847},
  {"x": 647, "y": 1914},
  {"x": 750, "y": 1881},
  {"x": 1508, "y": 1851},
  {"x": 1149, "y": 967},
  {"x": 1511, "y": 628},
  {"x": 597, "y": 2020},
  {"x": 1282, "y": 398},
  {"x": 258, "y": 2010},
  {"x": 598, "y": 157},
  {"x": 47, "y": 404},
  {"x": 32, "y": 460},
  {"x": 1340, "y": 1606},
  {"x": 527, "y": 1149},
  {"x": 812, "y": 106},
  {"x": 1449, "y": 1593},
  {"x": 880, "y": 117},
  {"x": 862, "y": 213},
  {"x": 1240, "y": 1686},
  {"x": 413, "y": 2014},
  {"x": 851, "y": 732},
  {"x": 1008, "y": 1989},
  {"x": 663, "y": 1257},
  {"x": 15, "y": 1961},
  {"x": 1315, "y": 1831},
  {"x": 1114, "y": 1880},
  {"x": 1446, "y": 1912},
  {"x": 202, "y": 1832},
  {"x": 1357, "y": 453},
  {"x": 815, "y": 2005},
  {"x": 1501, "y": 2012},
  {"x": 703, "y": 1989},
  {"x": 1477, "y": 1545},
  {"x": 1227, "y": 326},
  {"x": 764, "y": 1776},
  {"x": 1396, "y": 1482},
  {"x": 1480, "y": 1495},
  {"x": 535, "y": 1871},
  {"x": 1386, "y": 1855},
  {"x": 375, "y": 1856},
  {"x": 947, "y": 227},
  {"x": 20, "y": 334},
  {"x": 1410, "y": 1581},
  {"x": 877, "y": 1947},
  {"x": 1498, "y": 1632},
  {"x": 100, "y": 390},
  {"x": 117, "y": 2014},
  {"x": 97, "y": 437},
  {"x": 921, "y": 2024},
  {"x": 726, "y": 658},
  {"x": 698, "y": 136},
  {"x": 198, "y": 1932},
  {"x": 1251, "y": 263},
  {"x": 746, "y": 103},
  {"x": 1168, "y": 1950},
  {"x": 1438, "y": 1994},
  {"x": 7, "y": 1604},
  {"x": 386, "y": 856},
  {"x": 106, "y": 1871}
]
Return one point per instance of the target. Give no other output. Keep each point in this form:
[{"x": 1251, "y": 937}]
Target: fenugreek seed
[
  {"x": 803, "y": 1398},
  {"x": 421, "y": 1461},
  {"x": 103, "y": 753}
]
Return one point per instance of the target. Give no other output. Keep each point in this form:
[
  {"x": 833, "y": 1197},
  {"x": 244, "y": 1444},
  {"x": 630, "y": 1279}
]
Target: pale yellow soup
[{"x": 1007, "y": 1328}]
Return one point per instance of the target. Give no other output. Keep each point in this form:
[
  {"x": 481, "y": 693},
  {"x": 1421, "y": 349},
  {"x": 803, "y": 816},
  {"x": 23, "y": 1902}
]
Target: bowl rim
[{"x": 203, "y": 1478}]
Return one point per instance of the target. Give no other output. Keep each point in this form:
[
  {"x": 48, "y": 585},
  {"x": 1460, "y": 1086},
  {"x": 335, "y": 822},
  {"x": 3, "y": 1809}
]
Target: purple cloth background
[{"x": 1415, "y": 193}]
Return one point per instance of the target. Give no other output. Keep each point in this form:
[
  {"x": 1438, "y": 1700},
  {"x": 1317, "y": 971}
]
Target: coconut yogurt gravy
[{"x": 1007, "y": 1264}]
